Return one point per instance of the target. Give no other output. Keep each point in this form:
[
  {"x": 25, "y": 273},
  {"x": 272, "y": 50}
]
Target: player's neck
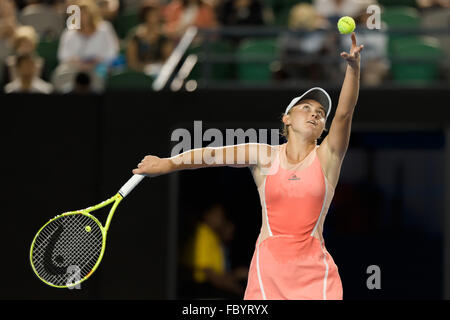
[{"x": 298, "y": 149}]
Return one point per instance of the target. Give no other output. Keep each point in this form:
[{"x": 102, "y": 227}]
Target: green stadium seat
[
  {"x": 125, "y": 22},
  {"x": 417, "y": 72},
  {"x": 395, "y": 3},
  {"x": 264, "y": 50},
  {"x": 219, "y": 71},
  {"x": 48, "y": 50},
  {"x": 401, "y": 17},
  {"x": 129, "y": 79}
]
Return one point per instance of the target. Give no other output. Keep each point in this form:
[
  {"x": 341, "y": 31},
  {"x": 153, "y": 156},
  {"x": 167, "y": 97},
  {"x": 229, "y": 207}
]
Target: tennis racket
[{"x": 68, "y": 249}]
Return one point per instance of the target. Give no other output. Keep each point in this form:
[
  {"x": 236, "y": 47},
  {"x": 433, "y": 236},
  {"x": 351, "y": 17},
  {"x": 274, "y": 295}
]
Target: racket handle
[{"x": 129, "y": 186}]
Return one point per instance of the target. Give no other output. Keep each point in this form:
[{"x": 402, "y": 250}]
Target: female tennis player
[{"x": 296, "y": 187}]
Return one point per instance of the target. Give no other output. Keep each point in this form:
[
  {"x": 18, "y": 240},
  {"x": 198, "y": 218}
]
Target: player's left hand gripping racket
[{"x": 69, "y": 248}]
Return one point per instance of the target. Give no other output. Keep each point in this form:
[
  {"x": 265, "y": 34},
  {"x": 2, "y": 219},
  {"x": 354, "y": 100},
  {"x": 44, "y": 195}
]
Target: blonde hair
[
  {"x": 93, "y": 10},
  {"x": 25, "y": 33}
]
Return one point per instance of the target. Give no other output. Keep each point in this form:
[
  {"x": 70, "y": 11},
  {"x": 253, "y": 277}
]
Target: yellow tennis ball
[
  {"x": 346, "y": 25},
  {"x": 88, "y": 229}
]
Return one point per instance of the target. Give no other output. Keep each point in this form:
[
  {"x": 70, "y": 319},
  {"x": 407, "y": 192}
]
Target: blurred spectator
[
  {"x": 108, "y": 9},
  {"x": 25, "y": 42},
  {"x": 300, "y": 52},
  {"x": 43, "y": 17},
  {"x": 432, "y": 4},
  {"x": 8, "y": 13},
  {"x": 27, "y": 81},
  {"x": 147, "y": 45},
  {"x": 8, "y": 25},
  {"x": 242, "y": 13},
  {"x": 437, "y": 16},
  {"x": 374, "y": 60},
  {"x": 82, "y": 83},
  {"x": 60, "y": 6},
  {"x": 66, "y": 78},
  {"x": 24, "y": 3},
  {"x": 181, "y": 14},
  {"x": 94, "y": 43},
  {"x": 209, "y": 260},
  {"x": 334, "y": 9}
]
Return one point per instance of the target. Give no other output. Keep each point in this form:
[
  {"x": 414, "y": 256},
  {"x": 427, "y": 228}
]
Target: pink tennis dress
[{"x": 290, "y": 261}]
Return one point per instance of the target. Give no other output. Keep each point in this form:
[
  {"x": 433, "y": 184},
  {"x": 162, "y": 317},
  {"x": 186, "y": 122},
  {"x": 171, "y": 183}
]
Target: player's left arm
[{"x": 338, "y": 137}]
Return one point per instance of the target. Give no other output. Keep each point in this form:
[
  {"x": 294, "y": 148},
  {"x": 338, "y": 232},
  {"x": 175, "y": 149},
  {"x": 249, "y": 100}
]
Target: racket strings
[{"x": 67, "y": 245}]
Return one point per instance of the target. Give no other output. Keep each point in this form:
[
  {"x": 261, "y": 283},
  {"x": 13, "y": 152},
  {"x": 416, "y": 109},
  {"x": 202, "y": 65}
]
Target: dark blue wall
[{"x": 61, "y": 153}]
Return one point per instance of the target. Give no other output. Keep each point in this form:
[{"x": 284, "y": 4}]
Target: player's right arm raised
[{"x": 242, "y": 155}]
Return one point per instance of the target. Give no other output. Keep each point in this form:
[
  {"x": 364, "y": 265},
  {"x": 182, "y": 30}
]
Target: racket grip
[{"x": 130, "y": 184}]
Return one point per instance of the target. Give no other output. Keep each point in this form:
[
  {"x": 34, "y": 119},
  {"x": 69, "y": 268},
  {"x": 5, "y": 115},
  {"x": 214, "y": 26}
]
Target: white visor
[{"x": 317, "y": 94}]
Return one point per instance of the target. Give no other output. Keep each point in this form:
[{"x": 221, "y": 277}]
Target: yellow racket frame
[{"x": 116, "y": 199}]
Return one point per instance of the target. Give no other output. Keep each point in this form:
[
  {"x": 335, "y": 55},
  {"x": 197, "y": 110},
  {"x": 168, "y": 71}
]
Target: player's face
[{"x": 308, "y": 118}]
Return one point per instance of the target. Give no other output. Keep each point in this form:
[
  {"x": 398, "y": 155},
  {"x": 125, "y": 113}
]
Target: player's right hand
[{"x": 153, "y": 166}]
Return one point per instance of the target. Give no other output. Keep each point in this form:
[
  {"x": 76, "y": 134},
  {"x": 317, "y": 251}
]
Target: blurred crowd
[{"x": 40, "y": 53}]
